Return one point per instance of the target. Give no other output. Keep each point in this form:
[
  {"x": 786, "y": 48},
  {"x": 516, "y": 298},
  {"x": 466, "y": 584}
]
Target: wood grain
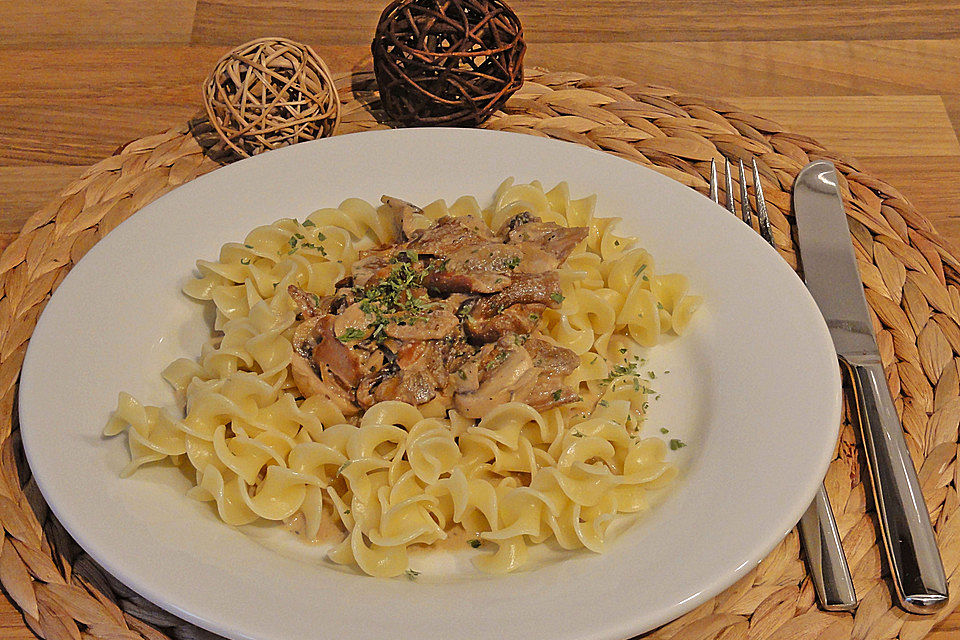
[
  {"x": 774, "y": 68},
  {"x": 865, "y": 125},
  {"x": 335, "y": 22},
  {"x": 94, "y": 22},
  {"x": 876, "y": 80}
]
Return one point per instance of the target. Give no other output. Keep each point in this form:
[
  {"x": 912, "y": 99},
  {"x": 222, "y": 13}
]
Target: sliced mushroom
[
  {"x": 307, "y": 376},
  {"x": 407, "y": 217}
]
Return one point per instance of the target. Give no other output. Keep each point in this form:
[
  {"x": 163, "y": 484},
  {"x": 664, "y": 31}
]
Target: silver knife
[{"x": 831, "y": 275}]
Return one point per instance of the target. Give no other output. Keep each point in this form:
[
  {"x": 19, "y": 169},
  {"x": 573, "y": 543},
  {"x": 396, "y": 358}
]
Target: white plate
[{"x": 754, "y": 390}]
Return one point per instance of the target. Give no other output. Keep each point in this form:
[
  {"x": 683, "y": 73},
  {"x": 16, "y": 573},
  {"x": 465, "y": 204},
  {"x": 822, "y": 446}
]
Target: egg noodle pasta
[{"x": 398, "y": 475}]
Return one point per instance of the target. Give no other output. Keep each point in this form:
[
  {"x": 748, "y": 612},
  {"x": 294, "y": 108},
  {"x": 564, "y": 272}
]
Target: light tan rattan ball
[{"x": 270, "y": 93}]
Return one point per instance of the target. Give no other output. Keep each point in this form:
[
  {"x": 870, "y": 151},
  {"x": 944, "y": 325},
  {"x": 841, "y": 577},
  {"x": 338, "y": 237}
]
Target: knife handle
[
  {"x": 918, "y": 578},
  {"x": 825, "y": 560}
]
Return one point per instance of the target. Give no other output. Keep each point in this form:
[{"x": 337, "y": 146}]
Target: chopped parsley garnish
[
  {"x": 557, "y": 394},
  {"x": 640, "y": 270},
  {"x": 244, "y": 260},
  {"x": 652, "y": 375},
  {"x": 248, "y": 246},
  {"x": 393, "y": 299},
  {"x": 534, "y": 317},
  {"x": 309, "y": 223},
  {"x": 577, "y": 434},
  {"x": 603, "y": 403},
  {"x": 659, "y": 305},
  {"x": 298, "y": 241},
  {"x": 622, "y": 350},
  {"x": 557, "y": 297},
  {"x": 677, "y": 444},
  {"x": 343, "y": 466},
  {"x": 622, "y": 370},
  {"x": 345, "y": 511},
  {"x": 411, "y": 574},
  {"x": 462, "y": 374},
  {"x": 664, "y": 430},
  {"x": 512, "y": 263},
  {"x": 474, "y": 543},
  {"x": 351, "y": 334}
]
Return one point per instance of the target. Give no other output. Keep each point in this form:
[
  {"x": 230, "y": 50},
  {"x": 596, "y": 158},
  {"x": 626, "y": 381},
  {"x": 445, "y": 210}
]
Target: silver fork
[{"x": 826, "y": 561}]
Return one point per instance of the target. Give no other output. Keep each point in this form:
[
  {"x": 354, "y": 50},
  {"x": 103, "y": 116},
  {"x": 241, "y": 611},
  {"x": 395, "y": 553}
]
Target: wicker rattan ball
[
  {"x": 447, "y": 62},
  {"x": 270, "y": 93}
]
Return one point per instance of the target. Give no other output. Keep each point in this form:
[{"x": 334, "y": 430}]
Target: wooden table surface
[{"x": 878, "y": 80}]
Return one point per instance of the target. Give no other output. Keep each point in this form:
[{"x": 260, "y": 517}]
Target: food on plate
[
  {"x": 447, "y": 316},
  {"x": 412, "y": 375}
]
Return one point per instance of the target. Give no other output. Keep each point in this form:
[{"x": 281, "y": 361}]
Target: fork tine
[
  {"x": 745, "y": 213},
  {"x": 714, "y": 187},
  {"x": 727, "y": 172},
  {"x": 765, "y": 230}
]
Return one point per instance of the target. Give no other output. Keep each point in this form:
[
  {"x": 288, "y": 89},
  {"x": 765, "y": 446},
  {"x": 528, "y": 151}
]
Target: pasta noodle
[{"x": 399, "y": 475}]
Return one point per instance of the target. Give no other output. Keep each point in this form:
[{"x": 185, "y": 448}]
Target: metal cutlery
[
  {"x": 831, "y": 274},
  {"x": 817, "y": 527}
]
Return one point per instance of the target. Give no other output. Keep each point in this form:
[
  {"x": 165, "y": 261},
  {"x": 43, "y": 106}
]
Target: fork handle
[
  {"x": 918, "y": 578},
  {"x": 825, "y": 560}
]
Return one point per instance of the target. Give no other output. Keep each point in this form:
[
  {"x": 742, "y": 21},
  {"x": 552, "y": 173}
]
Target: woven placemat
[{"x": 911, "y": 280}]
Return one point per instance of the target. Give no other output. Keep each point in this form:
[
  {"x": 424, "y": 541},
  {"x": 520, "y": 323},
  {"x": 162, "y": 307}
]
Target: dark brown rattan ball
[
  {"x": 447, "y": 62},
  {"x": 270, "y": 93}
]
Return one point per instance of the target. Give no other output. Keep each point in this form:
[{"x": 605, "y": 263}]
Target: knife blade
[{"x": 831, "y": 274}]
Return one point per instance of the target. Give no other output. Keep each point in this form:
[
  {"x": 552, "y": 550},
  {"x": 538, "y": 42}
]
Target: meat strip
[
  {"x": 490, "y": 317},
  {"x": 551, "y": 358},
  {"x": 518, "y": 319},
  {"x": 435, "y": 324},
  {"x": 449, "y": 235},
  {"x": 372, "y": 267},
  {"x": 443, "y": 282},
  {"x": 551, "y": 237}
]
